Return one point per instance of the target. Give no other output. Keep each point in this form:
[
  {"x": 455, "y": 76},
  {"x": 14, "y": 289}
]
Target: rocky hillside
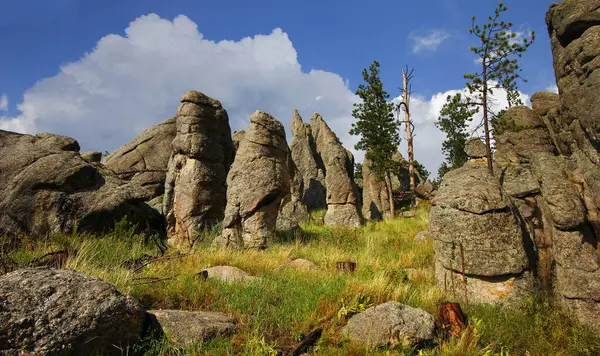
[{"x": 534, "y": 225}]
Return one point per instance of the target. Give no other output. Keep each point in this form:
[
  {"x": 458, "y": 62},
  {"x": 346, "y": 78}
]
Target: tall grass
[{"x": 276, "y": 311}]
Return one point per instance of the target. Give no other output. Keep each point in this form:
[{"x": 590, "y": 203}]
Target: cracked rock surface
[
  {"x": 259, "y": 179},
  {"x": 390, "y": 324}
]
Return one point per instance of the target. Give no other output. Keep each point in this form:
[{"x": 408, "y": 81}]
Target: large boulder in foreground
[
  {"x": 342, "y": 192},
  {"x": 145, "y": 159},
  {"x": 47, "y": 187},
  {"x": 257, "y": 182},
  {"x": 184, "y": 328},
  {"x": 475, "y": 231},
  {"x": 391, "y": 324},
  {"x": 195, "y": 187},
  {"x": 62, "y": 312}
]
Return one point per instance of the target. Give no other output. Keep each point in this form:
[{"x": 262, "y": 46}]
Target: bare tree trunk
[
  {"x": 409, "y": 136},
  {"x": 388, "y": 185},
  {"x": 485, "y": 120}
]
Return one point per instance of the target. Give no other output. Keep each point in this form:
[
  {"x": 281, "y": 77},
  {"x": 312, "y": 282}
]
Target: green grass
[{"x": 276, "y": 312}]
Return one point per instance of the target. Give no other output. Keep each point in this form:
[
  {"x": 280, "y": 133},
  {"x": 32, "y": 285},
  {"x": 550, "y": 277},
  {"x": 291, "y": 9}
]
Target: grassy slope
[{"x": 276, "y": 312}]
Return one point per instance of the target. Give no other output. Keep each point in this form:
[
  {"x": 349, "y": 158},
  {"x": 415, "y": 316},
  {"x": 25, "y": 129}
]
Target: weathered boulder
[
  {"x": 425, "y": 190},
  {"x": 302, "y": 264},
  {"x": 574, "y": 29},
  {"x": 376, "y": 201},
  {"x": 227, "y": 274},
  {"x": 195, "y": 187},
  {"x": 391, "y": 324},
  {"x": 309, "y": 163},
  {"x": 475, "y": 148},
  {"x": 91, "y": 156},
  {"x": 145, "y": 159},
  {"x": 47, "y": 187},
  {"x": 62, "y": 312},
  {"x": 342, "y": 193},
  {"x": 236, "y": 138},
  {"x": 184, "y": 328},
  {"x": 475, "y": 231},
  {"x": 550, "y": 194},
  {"x": 257, "y": 182},
  {"x": 292, "y": 212}
]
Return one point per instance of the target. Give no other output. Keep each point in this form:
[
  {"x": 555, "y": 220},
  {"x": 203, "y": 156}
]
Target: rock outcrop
[
  {"x": 309, "y": 163},
  {"x": 144, "y": 160},
  {"x": 47, "y": 187},
  {"x": 91, "y": 156},
  {"x": 376, "y": 201},
  {"x": 62, "y": 312},
  {"x": 475, "y": 148},
  {"x": 391, "y": 324},
  {"x": 257, "y": 182},
  {"x": 342, "y": 193},
  {"x": 401, "y": 177},
  {"x": 237, "y": 137},
  {"x": 195, "y": 187},
  {"x": 574, "y": 29},
  {"x": 292, "y": 212},
  {"x": 474, "y": 230},
  {"x": 542, "y": 206}
]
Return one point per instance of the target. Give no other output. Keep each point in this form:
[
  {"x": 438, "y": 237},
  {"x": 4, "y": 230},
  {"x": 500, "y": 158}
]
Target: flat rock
[
  {"x": 183, "y": 328},
  {"x": 390, "y": 324},
  {"x": 302, "y": 264},
  {"x": 63, "y": 312},
  {"x": 228, "y": 274},
  {"x": 422, "y": 236}
]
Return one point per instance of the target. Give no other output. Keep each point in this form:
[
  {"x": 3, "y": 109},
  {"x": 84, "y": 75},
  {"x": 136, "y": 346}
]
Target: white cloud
[
  {"x": 428, "y": 139},
  {"x": 126, "y": 84},
  {"x": 3, "y": 103},
  {"x": 429, "y": 42}
]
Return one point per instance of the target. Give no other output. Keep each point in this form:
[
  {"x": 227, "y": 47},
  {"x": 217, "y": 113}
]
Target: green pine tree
[
  {"x": 423, "y": 172},
  {"x": 455, "y": 116},
  {"x": 498, "y": 49},
  {"x": 376, "y": 126}
]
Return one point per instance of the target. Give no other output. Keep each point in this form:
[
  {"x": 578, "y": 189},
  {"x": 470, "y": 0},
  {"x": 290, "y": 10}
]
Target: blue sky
[{"x": 134, "y": 79}]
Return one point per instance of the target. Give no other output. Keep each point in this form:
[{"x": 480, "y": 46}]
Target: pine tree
[
  {"x": 423, "y": 172},
  {"x": 498, "y": 50},
  {"x": 455, "y": 116},
  {"x": 376, "y": 126}
]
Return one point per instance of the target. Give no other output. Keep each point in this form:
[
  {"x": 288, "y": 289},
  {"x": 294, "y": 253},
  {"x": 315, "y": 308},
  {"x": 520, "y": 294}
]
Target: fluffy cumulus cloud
[
  {"x": 128, "y": 83},
  {"x": 428, "y": 139},
  {"x": 427, "y": 42}
]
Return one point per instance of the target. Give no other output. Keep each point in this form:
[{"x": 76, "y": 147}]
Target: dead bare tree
[{"x": 404, "y": 105}]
